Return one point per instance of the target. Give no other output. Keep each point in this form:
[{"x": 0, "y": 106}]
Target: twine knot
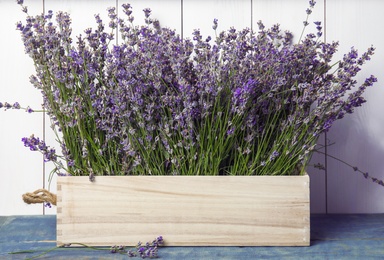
[{"x": 39, "y": 196}]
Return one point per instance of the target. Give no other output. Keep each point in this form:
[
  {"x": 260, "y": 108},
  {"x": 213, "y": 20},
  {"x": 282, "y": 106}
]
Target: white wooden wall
[{"x": 359, "y": 139}]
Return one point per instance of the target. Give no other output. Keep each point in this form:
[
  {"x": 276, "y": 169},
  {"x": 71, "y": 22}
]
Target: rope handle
[{"x": 39, "y": 196}]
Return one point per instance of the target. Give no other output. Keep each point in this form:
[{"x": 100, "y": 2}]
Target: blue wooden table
[{"x": 332, "y": 237}]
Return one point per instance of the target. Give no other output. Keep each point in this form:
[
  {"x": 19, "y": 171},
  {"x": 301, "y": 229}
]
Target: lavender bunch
[{"x": 247, "y": 103}]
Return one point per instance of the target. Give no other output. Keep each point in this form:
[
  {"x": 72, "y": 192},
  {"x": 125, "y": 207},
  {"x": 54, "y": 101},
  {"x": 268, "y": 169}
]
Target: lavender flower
[
  {"x": 273, "y": 155},
  {"x": 215, "y": 23},
  {"x": 35, "y": 144}
]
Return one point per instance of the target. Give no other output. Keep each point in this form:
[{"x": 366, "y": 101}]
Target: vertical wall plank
[
  {"x": 20, "y": 169},
  {"x": 358, "y": 137}
]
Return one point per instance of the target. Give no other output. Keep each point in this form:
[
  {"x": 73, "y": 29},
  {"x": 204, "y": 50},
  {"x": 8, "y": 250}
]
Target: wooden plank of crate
[{"x": 186, "y": 210}]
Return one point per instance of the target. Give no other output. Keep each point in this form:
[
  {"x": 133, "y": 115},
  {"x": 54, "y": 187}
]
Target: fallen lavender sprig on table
[{"x": 149, "y": 250}]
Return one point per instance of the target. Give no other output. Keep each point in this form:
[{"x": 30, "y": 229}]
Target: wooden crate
[{"x": 185, "y": 210}]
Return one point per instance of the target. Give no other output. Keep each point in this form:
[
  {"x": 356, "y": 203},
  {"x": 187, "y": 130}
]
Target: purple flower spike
[{"x": 215, "y": 23}]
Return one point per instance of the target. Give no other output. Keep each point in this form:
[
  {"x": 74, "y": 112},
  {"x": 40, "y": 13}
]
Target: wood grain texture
[{"x": 186, "y": 211}]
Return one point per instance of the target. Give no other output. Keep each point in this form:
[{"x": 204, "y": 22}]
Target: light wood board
[{"x": 185, "y": 210}]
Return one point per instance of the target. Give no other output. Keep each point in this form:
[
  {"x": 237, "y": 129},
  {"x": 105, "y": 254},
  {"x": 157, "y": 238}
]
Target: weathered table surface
[{"x": 332, "y": 237}]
